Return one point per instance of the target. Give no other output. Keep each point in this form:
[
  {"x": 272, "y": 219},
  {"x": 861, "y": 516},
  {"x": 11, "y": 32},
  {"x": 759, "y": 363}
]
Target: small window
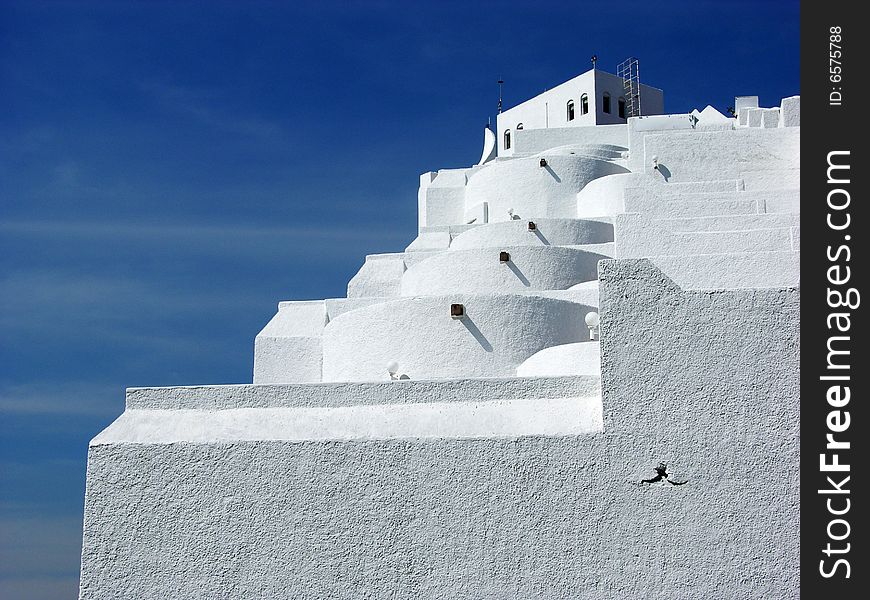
[
  {"x": 605, "y": 104},
  {"x": 507, "y": 139},
  {"x": 584, "y": 104},
  {"x": 570, "y": 110},
  {"x": 519, "y": 126},
  {"x": 621, "y": 107}
]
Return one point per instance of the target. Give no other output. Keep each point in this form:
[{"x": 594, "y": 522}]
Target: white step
[
  {"x": 656, "y": 188},
  {"x": 673, "y": 209},
  {"x": 729, "y": 222},
  {"x": 638, "y": 236},
  {"x": 718, "y": 203}
]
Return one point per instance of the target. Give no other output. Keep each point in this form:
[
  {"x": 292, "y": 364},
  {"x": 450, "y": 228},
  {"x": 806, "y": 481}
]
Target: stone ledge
[
  {"x": 224, "y": 397},
  {"x": 486, "y": 419}
]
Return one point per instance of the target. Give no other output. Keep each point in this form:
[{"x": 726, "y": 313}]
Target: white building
[
  {"x": 580, "y": 380},
  {"x": 593, "y": 98}
]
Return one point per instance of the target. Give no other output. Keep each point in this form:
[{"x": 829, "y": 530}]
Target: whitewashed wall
[
  {"x": 533, "y": 141},
  {"x": 535, "y": 191},
  {"x": 254, "y": 491},
  {"x": 479, "y": 271},
  {"x": 549, "y": 109},
  {"x": 548, "y": 232},
  {"x": 702, "y": 155},
  {"x": 288, "y": 349},
  {"x": 499, "y": 332}
]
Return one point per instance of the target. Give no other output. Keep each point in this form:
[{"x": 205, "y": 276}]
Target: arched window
[
  {"x": 570, "y": 114},
  {"x": 519, "y": 126},
  {"x": 621, "y": 107},
  {"x": 507, "y": 139},
  {"x": 584, "y": 104},
  {"x": 605, "y": 103}
]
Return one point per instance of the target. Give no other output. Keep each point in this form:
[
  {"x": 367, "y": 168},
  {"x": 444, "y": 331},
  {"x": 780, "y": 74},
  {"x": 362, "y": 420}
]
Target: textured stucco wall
[
  {"x": 689, "y": 156},
  {"x": 581, "y": 358},
  {"x": 533, "y": 141},
  {"x": 640, "y": 127},
  {"x": 430, "y": 240},
  {"x": 287, "y": 359},
  {"x": 380, "y": 275},
  {"x": 357, "y": 393},
  {"x": 288, "y": 348},
  {"x": 443, "y": 206},
  {"x": 549, "y": 232},
  {"x": 441, "y": 197},
  {"x": 773, "y": 179},
  {"x": 732, "y": 271},
  {"x": 496, "y": 517},
  {"x": 479, "y": 270},
  {"x": 535, "y": 191},
  {"x": 717, "y": 399},
  {"x": 710, "y": 204},
  {"x": 636, "y": 235},
  {"x": 433, "y": 420},
  {"x": 604, "y": 196},
  {"x": 499, "y": 332},
  {"x": 730, "y": 222},
  {"x": 790, "y": 112}
]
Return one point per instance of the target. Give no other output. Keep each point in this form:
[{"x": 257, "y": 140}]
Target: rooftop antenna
[
  {"x": 500, "y": 84},
  {"x": 594, "y": 60}
]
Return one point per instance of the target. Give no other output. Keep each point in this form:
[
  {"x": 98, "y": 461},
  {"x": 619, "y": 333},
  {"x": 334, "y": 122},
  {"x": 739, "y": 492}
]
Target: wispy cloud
[
  {"x": 40, "y": 588},
  {"x": 30, "y": 546},
  {"x": 66, "y": 310},
  {"x": 201, "y": 105},
  {"x": 39, "y": 557},
  {"x": 67, "y": 398},
  {"x": 259, "y": 233}
]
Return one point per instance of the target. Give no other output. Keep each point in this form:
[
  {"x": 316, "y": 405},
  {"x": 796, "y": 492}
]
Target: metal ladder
[{"x": 628, "y": 70}]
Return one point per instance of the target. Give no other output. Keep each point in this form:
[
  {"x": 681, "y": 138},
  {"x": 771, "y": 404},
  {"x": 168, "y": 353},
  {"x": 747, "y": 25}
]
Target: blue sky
[{"x": 169, "y": 171}]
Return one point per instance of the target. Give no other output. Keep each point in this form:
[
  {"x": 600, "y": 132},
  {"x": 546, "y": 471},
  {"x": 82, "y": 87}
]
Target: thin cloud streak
[
  {"x": 199, "y": 104},
  {"x": 261, "y": 246},
  {"x": 67, "y": 398},
  {"x": 32, "y": 546},
  {"x": 68, "y": 313},
  {"x": 217, "y": 232}
]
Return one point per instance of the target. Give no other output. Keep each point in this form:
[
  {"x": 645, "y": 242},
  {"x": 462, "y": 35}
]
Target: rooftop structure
[
  {"x": 593, "y": 98},
  {"x": 577, "y": 381}
]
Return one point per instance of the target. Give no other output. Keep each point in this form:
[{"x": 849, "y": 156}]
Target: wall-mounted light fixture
[
  {"x": 504, "y": 256},
  {"x": 592, "y": 320},
  {"x": 655, "y": 161},
  {"x": 543, "y": 162},
  {"x": 393, "y": 370},
  {"x": 532, "y": 226},
  {"x": 457, "y": 311}
]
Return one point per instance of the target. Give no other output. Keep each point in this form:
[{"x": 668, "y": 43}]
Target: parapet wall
[
  {"x": 533, "y": 141},
  {"x": 532, "y": 190},
  {"x": 700, "y": 155},
  {"x": 547, "y": 232},
  {"x": 497, "y": 333},
  {"x": 708, "y": 383},
  {"x": 480, "y": 270}
]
